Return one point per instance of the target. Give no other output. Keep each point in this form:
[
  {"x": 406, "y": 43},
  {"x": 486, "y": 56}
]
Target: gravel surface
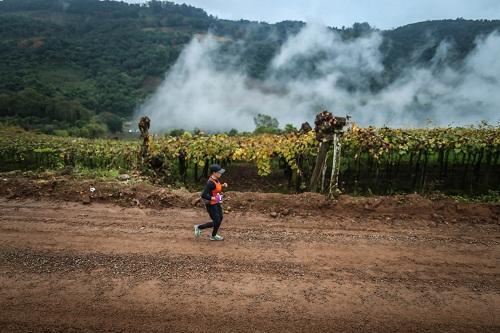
[{"x": 397, "y": 264}]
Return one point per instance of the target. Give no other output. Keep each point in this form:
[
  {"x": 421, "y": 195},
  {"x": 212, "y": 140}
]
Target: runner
[{"x": 213, "y": 199}]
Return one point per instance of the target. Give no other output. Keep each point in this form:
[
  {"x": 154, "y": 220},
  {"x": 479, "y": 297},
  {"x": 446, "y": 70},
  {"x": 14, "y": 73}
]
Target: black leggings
[{"x": 215, "y": 212}]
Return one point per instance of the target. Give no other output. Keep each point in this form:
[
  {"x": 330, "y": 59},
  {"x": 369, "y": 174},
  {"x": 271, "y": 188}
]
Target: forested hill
[{"x": 82, "y": 66}]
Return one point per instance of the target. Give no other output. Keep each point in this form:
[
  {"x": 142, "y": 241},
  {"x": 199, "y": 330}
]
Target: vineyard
[{"x": 379, "y": 160}]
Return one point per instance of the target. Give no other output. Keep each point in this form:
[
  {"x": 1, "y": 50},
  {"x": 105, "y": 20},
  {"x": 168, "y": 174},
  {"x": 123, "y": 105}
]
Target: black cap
[{"x": 216, "y": 168}]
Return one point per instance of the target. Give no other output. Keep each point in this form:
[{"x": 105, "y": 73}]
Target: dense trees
[
  {"x": 265, "y": 124},
  {"x": 64, "y": 63}
]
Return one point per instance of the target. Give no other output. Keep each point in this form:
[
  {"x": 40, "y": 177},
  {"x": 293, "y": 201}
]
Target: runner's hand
[{"x": 224, "y": 185}]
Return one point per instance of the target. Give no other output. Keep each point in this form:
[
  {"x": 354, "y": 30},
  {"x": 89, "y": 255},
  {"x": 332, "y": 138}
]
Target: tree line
[{"x": 81, "y": 67}]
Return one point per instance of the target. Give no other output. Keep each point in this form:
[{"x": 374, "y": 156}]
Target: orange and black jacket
[{"x": 211, "y": 189}]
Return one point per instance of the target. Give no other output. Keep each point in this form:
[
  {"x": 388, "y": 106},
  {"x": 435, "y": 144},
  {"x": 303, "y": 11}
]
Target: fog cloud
[{"x": 317, "y": 69}]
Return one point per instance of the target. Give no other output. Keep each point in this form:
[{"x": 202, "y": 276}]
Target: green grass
[
  {"x": 97, "y": 174},
  {"x": 490, "y": 197}
]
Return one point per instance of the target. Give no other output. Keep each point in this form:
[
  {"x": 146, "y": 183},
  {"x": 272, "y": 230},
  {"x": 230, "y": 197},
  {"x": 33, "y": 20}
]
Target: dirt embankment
[{"x": 438, "y": 210}]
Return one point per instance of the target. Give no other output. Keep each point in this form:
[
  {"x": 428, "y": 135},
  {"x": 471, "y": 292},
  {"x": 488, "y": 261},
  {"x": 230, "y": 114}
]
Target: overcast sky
[{"x": 383, "y": 14}]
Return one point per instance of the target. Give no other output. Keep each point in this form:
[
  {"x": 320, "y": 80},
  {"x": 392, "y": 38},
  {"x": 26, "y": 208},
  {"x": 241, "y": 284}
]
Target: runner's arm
[{"x": 207, "y": 191}]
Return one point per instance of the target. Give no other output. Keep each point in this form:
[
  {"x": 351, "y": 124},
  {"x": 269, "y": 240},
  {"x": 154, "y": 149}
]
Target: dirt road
[{"x": 69, "y": 267}]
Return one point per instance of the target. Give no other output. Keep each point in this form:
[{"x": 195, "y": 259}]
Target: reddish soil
[{"x": 123, "y": 259}]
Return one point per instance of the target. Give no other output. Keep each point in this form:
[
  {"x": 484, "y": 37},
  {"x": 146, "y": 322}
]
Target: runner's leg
[
  {"x": 208, "y": 225},
  {"x": 217, "y": 218}
]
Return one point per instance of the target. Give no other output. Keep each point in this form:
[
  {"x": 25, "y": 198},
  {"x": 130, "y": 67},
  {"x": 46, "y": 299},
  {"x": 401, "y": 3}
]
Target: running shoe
[{"x": 197, "y": 231}]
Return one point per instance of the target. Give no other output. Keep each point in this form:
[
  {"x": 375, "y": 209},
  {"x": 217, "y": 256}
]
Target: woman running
[{"x": 213, "y": 199}]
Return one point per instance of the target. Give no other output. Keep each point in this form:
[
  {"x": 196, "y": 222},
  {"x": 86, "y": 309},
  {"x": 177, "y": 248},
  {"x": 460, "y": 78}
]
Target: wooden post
[
  {"x": 144, "y": 124},
  {"x": 333, "y": 190},
  {"x": 328, "y": 129},
  {"x": 320, "y": 163}
]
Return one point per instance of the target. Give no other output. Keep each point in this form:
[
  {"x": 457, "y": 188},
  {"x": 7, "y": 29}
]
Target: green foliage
[
  {"x": 63, "y": 133},
  {"x": 63, "y": 62},
  {"x": 289, "y": 128},
  {"x": 96, "y": 174},
  {"x": 28, "y": 151},
  {"x": 417, "y": 43},
  {"x": 491, "y": 196},
  {"x": 176, "y": 132},
  {"x": 474, "y": 151},
  {"x": 112, "y": 121},
  {"x": 265, "y": 124},
  {"x": 233, "y": 132},
  {"x": 86, "y": 57}
]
